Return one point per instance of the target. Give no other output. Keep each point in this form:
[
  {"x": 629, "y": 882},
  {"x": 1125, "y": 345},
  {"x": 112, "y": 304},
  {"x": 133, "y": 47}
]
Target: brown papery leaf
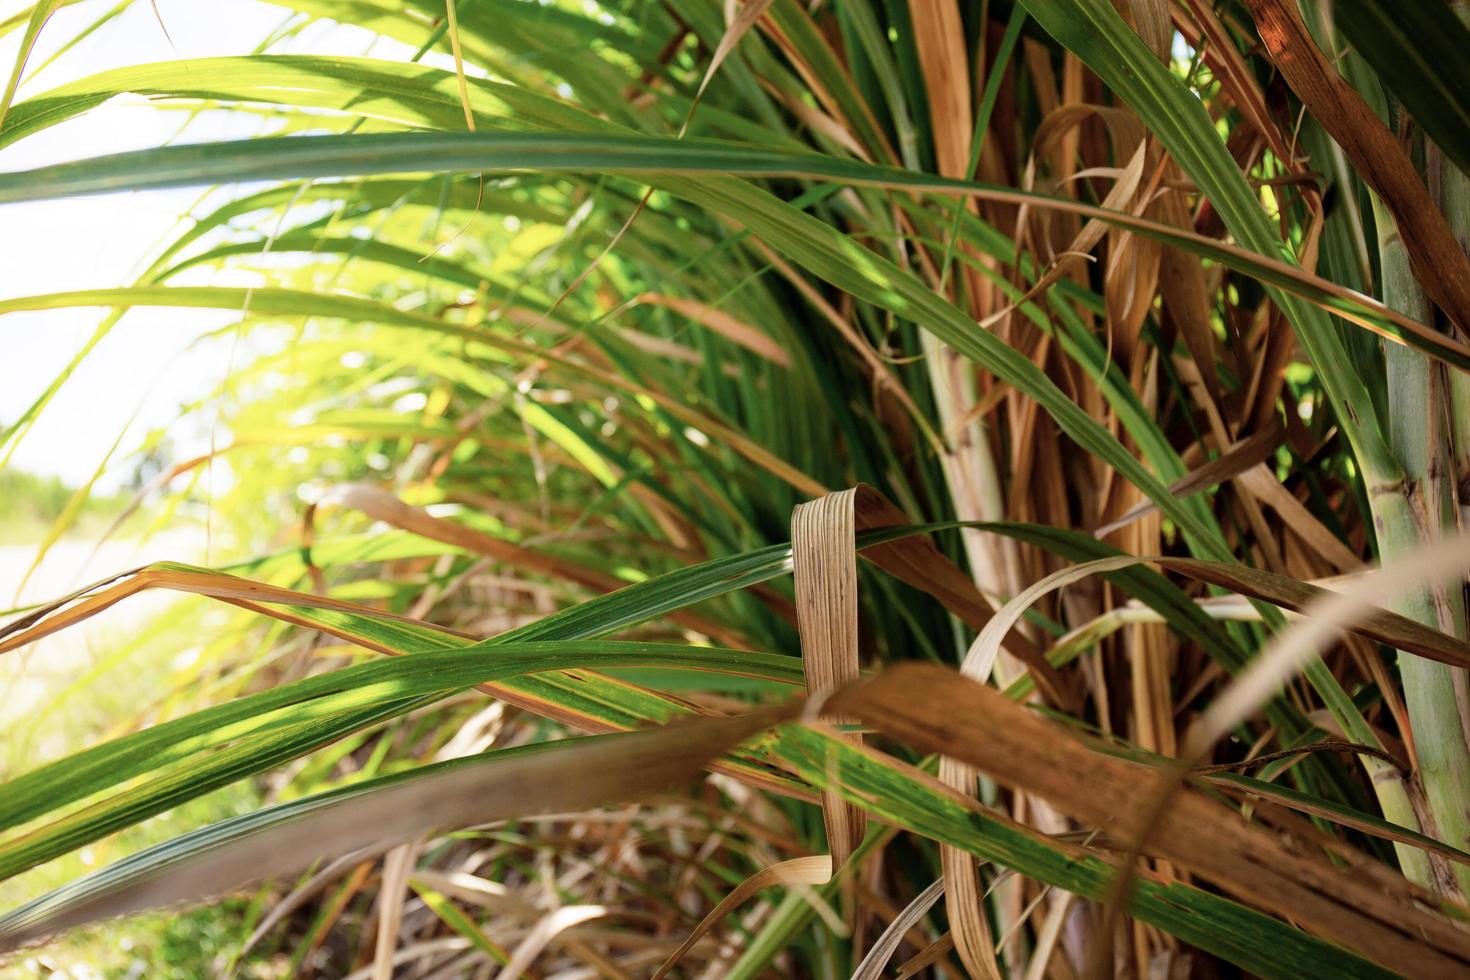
[
  {"x": 397, "y": 866},
  {"x": 1119, "y": 198},
  {"x": 824, "y": 565},
  {"x": 872, "y": 966},
  {"x": 939, "y": 35},
  {"x": 1264, "y": 485},
  {"x": 737, "y": 25},
  {"x": 1440, "y": 265},
  {"x": 1357, "y": 903},
  {"x": 824, "y": 561},
  {"x": 551, "y": 924}
]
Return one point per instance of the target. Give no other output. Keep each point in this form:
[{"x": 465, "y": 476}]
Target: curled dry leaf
[
  {"x": 797, "y": 871},
  {"x": 873, "y": 964},
  {"x": 824, "y": 565}
]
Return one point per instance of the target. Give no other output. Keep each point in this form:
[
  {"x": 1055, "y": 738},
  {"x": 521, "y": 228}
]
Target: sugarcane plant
[{"x": 590, "y": 344}]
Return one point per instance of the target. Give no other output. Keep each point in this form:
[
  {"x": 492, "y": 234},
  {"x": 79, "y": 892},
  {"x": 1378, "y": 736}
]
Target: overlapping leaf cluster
[{"x": 547, "y": 344}]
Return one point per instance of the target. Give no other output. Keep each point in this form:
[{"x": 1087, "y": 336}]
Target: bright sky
[{"x": 146, "y": 363}]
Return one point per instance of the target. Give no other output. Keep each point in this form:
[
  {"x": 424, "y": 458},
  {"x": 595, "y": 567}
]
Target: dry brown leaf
[
  {"x": 548, "y": 928},
  {"x": 1150, "y": 21},
  {"x": 1358, "y": 903},
  {"x": 1440, "y": 265},
  {"x": 1261, "y": 482},
  {"x": 737, "y": 25},
  {"x": 824, "y": 565},
  {"x": 939, "y": 35},
  {"x": 926, "y": 957},
  {"x": 1119, "y": 198},
  {"x": 397, "y": 867},
  {"x": 826, "y": 577}
]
